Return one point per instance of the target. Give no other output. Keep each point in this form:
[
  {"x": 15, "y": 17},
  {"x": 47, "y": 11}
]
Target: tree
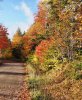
[
  {"x": 17, "y": 44},
  {"x": 17, "y": 38},
  {"x": 61, "y": 23},
  {"x": 60, "y": 19},
  {"x": 42, "y": 49},
  {"x": 7, "y": 52},
  {"x": 4, "y": 43}
]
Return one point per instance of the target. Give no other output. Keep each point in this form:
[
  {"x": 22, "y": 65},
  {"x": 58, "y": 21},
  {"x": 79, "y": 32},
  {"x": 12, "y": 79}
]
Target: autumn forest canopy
[
  {"x": 53, "y": 47},
  {"x": 57, "y": 23}
]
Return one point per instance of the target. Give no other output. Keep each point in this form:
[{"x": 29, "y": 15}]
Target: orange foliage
[{"x": 17, "y": 38}]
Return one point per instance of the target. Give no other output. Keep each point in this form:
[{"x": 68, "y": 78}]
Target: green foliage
[
  {"x": 36, "y": 95},
  {"x": 33, "y": 83},
  {"x": 78, "y": 66},
  {"x": 36, "y": 83},
  {"x": 17, "y": 53},
  {"x": 78, "y": 76},
  {"x": 73, "y": 71},
  {"x": 52, "y": 58}
]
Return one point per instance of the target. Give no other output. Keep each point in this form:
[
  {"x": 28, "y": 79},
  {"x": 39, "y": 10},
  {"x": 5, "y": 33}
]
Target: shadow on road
[
  {"x": 12, "y": 64},
  {"x": 11, "y": 73}
]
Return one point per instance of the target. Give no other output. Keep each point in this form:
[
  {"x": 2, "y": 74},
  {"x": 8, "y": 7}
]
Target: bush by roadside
[{"x": 59, "y": 83}]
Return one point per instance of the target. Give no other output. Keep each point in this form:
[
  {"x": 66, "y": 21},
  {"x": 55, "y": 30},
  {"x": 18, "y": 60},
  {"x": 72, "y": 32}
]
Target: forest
[{"x": 51, "y": 49}]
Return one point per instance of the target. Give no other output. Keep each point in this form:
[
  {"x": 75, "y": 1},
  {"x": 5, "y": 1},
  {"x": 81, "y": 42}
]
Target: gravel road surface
[{"x": 11, "y": 80}]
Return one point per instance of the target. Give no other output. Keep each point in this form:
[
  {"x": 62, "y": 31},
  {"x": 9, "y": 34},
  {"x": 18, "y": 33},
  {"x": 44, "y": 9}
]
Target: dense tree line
[{"x": 59, "y": 21}]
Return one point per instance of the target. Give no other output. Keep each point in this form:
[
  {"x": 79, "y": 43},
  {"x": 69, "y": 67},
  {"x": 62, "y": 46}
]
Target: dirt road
[{"x": 11, "y": 80}]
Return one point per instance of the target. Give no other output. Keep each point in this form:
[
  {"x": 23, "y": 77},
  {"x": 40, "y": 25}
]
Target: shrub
[
  {"x": 74, "y": 71},
  {"x": 36, "y": 95},
  {"x": 78, "y": 76},
  {"x": 33, "y": 83},
  {"x": 78, "y": 66},
  {"x": 52, "y": 58}
]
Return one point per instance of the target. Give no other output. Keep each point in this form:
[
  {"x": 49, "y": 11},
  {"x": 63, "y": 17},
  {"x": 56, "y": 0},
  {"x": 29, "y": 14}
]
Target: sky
[{"x": 17, "y": 13}]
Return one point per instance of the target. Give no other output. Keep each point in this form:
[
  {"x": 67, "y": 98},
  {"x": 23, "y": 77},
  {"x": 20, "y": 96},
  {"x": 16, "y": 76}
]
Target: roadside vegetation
[{"x": 54, "y": 63}]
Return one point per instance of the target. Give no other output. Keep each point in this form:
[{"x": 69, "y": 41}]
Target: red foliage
[
  {"x": 3, "y": 37},
  {"x": 42, "y": 49}
]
